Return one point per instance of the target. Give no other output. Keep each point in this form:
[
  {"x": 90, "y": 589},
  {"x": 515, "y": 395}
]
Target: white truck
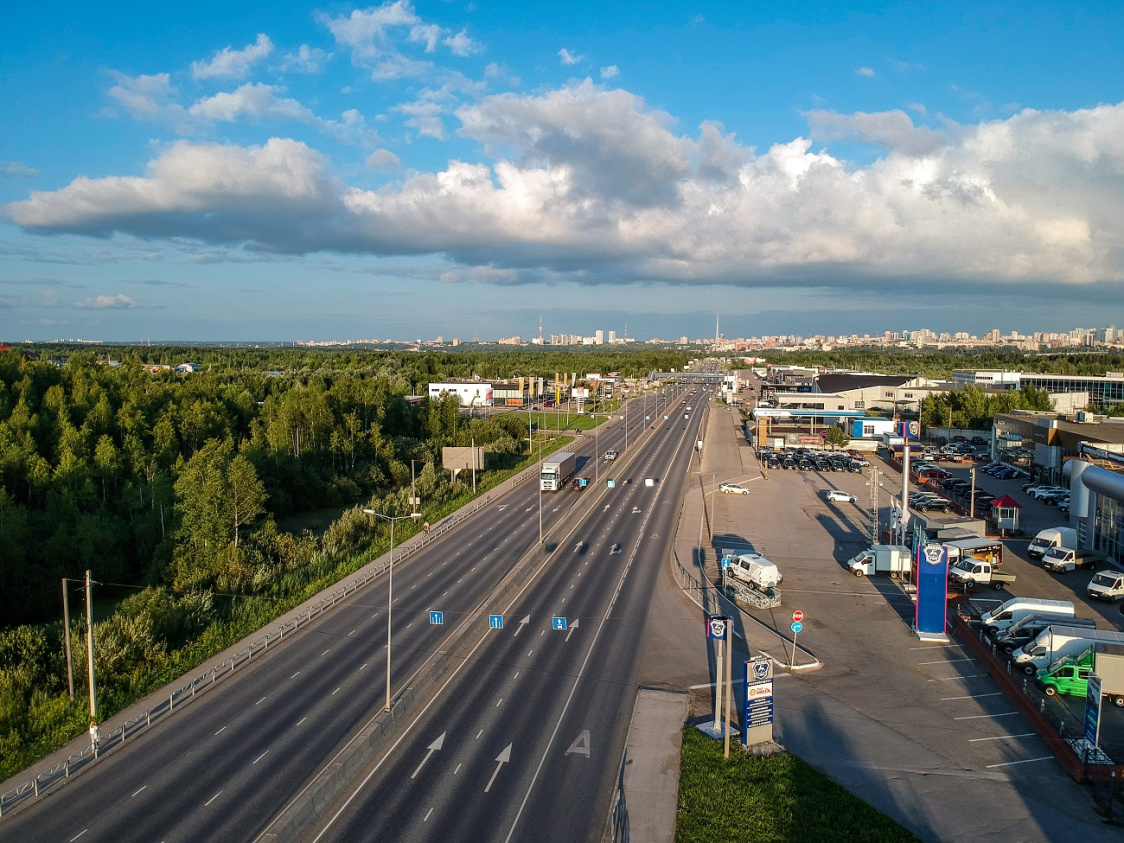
[
  {"x": 1014, "y": 610},
  {"x": 881, "y": 559},
  {"x": 1058, "y": 642},
  {"x": 1106, "y": 585},
  {"x": 1062, "y": 560},
  {"x": 556, "y": 470},
  {"x": 755, "y": 571},
  {"x": 1050, "y": 538},
  {"x": 974, "y": 572}
]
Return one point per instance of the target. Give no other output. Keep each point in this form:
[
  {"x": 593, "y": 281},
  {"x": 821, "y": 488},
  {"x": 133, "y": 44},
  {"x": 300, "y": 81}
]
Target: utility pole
[
  {"x": 66, "y": 637},
  {"x": 90, "y": 645}
]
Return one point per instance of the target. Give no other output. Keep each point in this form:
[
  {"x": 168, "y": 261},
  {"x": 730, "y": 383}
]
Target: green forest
[{"x": 170, "y": 488}]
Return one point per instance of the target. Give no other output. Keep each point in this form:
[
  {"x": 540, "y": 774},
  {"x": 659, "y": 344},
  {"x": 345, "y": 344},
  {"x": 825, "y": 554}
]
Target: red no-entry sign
[{"x": 797, "y": 616}]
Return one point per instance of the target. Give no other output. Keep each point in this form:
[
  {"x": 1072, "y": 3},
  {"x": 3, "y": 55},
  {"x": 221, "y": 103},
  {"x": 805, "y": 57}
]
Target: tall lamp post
[{"x": 392, "y": 520}]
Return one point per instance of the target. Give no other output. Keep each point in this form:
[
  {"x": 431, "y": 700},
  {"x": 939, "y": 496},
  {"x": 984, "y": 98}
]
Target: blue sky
[{"x": 279, "y": 171}]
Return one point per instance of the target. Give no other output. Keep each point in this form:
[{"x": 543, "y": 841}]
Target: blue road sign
[
  {"x": 437, "y": 617},
  {"x": 797, "y": 626},
  {"x": 558, "y": 623},
  {"x": 495, "y": 621}
]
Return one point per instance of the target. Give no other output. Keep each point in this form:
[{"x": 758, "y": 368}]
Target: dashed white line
[
  {"x": 142, "y": 787},
  {"x": 529, "y": 652},
  {"x": 260, "y": 757},
  {"x": 259, "y": 702},
  {"x": 954, "y": 678},
  {"x": 457, "y": 770},
  {"x": 212, "y": 799},
  {"x": 295, "y": 675},
  {"x": 500, "y": 700},
  {"x": 336, "y": 691},
  {"x": 985, "y": 716},
  {"x": 973, "y": 696},
  {"x": 326, "y": 651},
  {"x": 478, "y": 734},
  {"x": 946, "y": 661},
  {"x": 427, "y": 813},
  {"x": 301, "y": 720},
  {"x": 79, "y": 834},
  {"x": 364, "y": 666},
  {"x": 351, "y": 633},
  {"x": 516, "y": 676},
  {"x": 411, "y": 623},
  {"x": 220, "y": 731}
]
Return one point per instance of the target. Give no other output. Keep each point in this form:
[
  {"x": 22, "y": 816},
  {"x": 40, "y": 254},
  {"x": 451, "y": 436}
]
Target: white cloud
[
  {"x": 231, "y": 63},
  {"x": 610, "y": 72},
  {"x": 427, "y": 34},
  {"x": 382, "y": 159},
  {"x": 461, "y": 45},
  {"x": 251, "y": 100},
  {"x": 118, "y": 302},
  {"x": 364, "y": 31},
  {"x": 398, "y": 66},
  {"x": 16, "y": 170},
  {"x": 595, "y": 186},
  {"x": 865, "y": 71},
  {"x": 145, "y": 97},
  {"x": 568, "y": 57},
  {"x": 305, "y": 60}
]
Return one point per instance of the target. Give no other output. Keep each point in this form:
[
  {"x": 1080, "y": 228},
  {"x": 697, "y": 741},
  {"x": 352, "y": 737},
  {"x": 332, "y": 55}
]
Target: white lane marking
[
  {"x": 478, "y": 734},
  {"x": 142, "y": 787},
  {"x": 411, "y": 623},
  {"x": 946, "y": 661},
  {"x": 326, "y": 651},
  {"x": 443, "y": 593},
  {"x": 336, "y": 691},
  {"x": 432, "y": 748},
  {"x": 427, "y": 813},
  {"x": 973, "y": 696},
  {"x": 259, "y": 702},
  {"x": 516, "y": 676},
  {"x": 79, "y": 834},
  {"x": 260, "y": 757},
  {"x": 212, "y": 799},
  {"x": 351, "y": 633},
  {"x": 529, "y": 653},
  {"x": 985, "y": 716},
  {"x": 457, "y": 770},
  {"x": 364, "y": 666},
  {"x": 954, "y": 678},
  {"x": 543, "y": 632},
  {"x": 1025, "y": 761},
  {"x": 501, "y": 759},
  {"x": 295, "y": 675},
  {"x": 220, "y": 731},
  {"x": 1002, "y": 737},
  {"x": 500, "y": 700},
  {"x": 301, "y": 720}
]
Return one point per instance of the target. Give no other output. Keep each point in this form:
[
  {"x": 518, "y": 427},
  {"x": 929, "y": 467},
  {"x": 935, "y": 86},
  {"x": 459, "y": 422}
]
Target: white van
[
  {"x": 755, "y": 570},
  {"x": 1051, "y": 538},
  {"x": 1014, "y": 610}
]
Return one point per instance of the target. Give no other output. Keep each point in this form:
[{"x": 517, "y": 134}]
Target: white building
[{"x": 470, "y": 393}]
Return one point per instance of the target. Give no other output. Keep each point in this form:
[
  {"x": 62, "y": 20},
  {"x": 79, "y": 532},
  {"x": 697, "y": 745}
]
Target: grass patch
[{"x": 779, "y": 798}]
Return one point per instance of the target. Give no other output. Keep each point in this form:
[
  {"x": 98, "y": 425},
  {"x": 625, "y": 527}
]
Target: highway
[
  {"x": 226, "y": 765},
  {"x": 525, "y": 742}
]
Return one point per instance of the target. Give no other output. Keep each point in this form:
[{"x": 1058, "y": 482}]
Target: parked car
[
  {"x": 732, "y": 489},
  {"x": 841, "y": 497}
]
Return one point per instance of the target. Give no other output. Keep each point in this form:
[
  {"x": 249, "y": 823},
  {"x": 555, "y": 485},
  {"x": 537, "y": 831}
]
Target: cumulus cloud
[
  {"x": 118, "y": 302},
  {"x": 568, "y": 57},
  {"x": 231, "y": 63},
  {"x": 596, "y": 186},
  {"x": 382, "y": 159},
  {"x": 865, "y": 71},
  {"x": 16, "y": 170},
  {"x": 610, "y": 72},
  {"x": 461, "y": 45},
  {"x": 305, "y": 60},
  {"x": 145, "y": 97},
  {"x": 251, "y": 100}
]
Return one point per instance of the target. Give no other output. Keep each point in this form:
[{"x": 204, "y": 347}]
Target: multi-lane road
[{"x": 528, "y": 730}]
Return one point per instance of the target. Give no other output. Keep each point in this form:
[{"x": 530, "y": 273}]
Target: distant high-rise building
[
  {"x": 612, "y": 337},
  {"x": 456, "y": 341},
  {"x": 599, "y": 337}
]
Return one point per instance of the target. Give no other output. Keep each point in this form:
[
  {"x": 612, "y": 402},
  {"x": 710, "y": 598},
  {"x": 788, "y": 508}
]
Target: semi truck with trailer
[
  {"x": 1050, "y": 538},
  {"x": 1058, "y": 642},
  {"x": 556, "y": 470},
  {"x": 881, "y": 559}
]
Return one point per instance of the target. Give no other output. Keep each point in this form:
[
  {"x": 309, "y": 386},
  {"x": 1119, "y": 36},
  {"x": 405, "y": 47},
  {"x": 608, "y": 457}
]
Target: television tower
[{"x": 540, "y": 329}]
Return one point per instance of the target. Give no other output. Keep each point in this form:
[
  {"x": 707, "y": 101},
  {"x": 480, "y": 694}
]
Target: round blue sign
[{"x": 797, "y": 626}]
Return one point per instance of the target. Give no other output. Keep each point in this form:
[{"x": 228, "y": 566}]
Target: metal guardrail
[{"x": 56, "y": 774}]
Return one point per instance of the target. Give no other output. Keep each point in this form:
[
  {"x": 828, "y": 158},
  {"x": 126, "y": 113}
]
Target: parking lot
[{"x": 918, "y": 729}]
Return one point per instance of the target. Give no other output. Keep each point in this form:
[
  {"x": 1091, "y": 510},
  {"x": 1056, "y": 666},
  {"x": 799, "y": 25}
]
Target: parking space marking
[
  {"x": 1003, "y": 737},
  {"x": 1024, "y": 761},
  {"x": 954, "y": 678},
  {"x": 985, "y": 716},
  {"x": 946, "y": 661},
  {"x": 973, "y": 696}
]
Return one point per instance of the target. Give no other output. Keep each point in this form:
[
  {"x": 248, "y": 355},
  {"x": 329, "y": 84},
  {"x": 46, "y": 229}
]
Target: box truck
[
  {"x": 556, "y": 470},
  {"x": 1014, "y": 610},
  {"x": 985, "y": 550},
  {"x": 1071, "y": 676},
  {"x": 881, "y": 559},
  {"x": 1058, "y": 642},
  {"x": 1050, "y": 538}
]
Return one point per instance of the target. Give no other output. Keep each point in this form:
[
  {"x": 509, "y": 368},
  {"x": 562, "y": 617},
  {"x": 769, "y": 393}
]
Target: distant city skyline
[{"x": 274, "y": 171}]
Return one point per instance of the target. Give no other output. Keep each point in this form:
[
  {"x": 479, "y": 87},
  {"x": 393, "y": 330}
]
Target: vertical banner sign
[
  {"x": 932, "y": 590},
  {"x": 757, "y": 718},
  {"x": 1093, "y": 712}
]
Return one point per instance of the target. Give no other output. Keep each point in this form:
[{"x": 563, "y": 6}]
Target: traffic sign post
[{"x": 797, "y": 625}]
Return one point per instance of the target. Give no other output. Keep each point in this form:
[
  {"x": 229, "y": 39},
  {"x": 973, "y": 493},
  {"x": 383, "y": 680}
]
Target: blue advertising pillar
[{"x": 932, "y": 592}]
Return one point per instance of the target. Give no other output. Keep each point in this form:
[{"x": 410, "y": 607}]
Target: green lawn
[{"x": 764, "y": 799}]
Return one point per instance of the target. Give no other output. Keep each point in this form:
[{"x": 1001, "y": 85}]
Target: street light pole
[{"x": 392, "y": 520}]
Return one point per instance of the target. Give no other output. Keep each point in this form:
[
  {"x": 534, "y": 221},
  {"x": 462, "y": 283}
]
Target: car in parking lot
[
  {"x": 1045, "y": 491},
  {"x": 733, "y": 489},
  {"x": 840, "y": 496}
]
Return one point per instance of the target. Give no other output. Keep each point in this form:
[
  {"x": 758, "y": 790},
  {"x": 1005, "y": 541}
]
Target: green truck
[{"x": 1070, "y": 676}]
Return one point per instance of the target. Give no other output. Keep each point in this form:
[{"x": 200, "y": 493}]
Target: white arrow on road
[
  {"x": 572, "y": 626},
  {"x": 502, "y": 759},
  {"x": 433, "y": 747},
  {"x": 522, "y": 624}
]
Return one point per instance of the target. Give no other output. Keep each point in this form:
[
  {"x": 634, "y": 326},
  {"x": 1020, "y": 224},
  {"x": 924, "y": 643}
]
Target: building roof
[{"x": 845, "y": 382}]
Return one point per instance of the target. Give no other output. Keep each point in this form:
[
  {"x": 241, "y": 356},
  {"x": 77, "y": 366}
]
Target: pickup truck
[
  {"x": 1062, "y": 560},
  {"x": 974, "y": 572}
]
